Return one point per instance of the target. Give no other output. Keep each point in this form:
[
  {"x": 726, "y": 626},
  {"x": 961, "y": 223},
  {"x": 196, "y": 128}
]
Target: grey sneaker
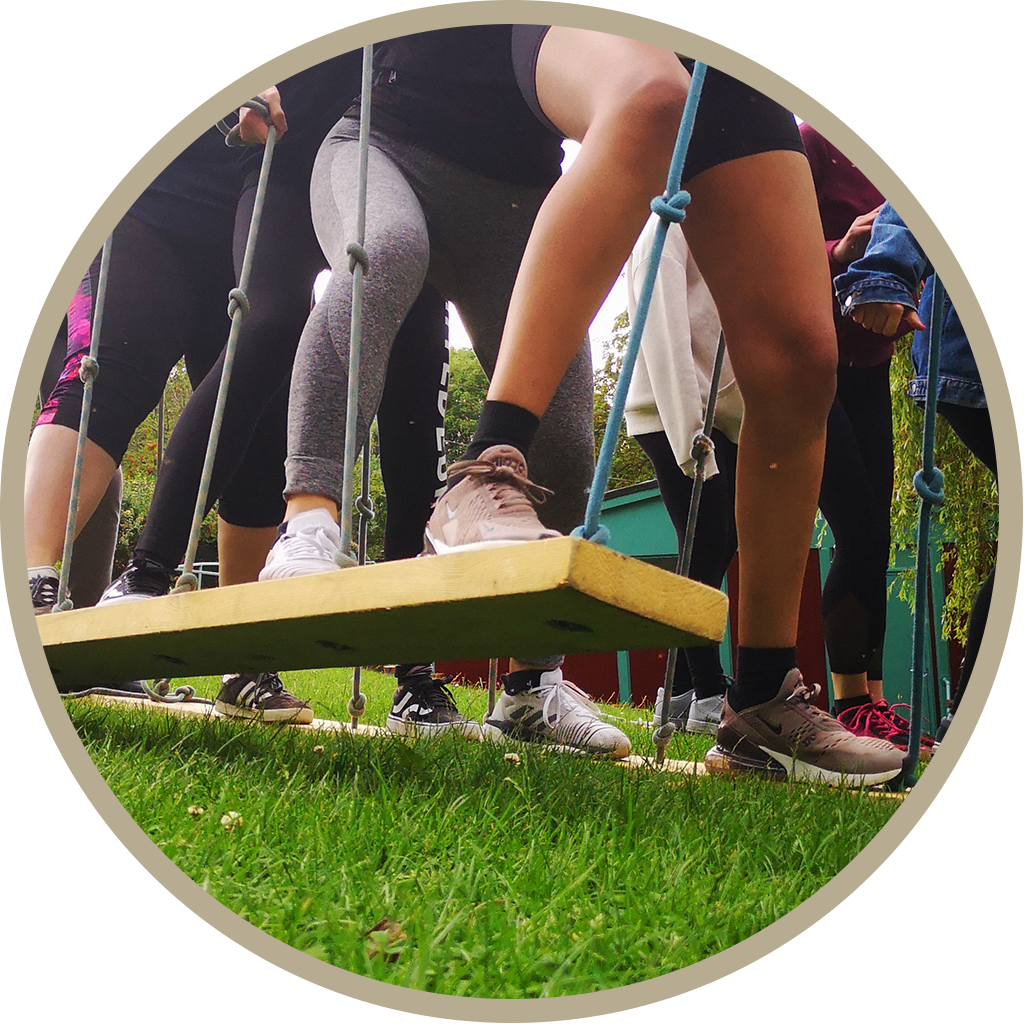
[
  {"x": 678, "y": 707},
  {"x": 558, "y": 712},
  {"x": 262, "y": 696},
  {"x": 705, "y": 715},
  {"x": 788, "y": 737},
  {"x": 492, "y": 504}
]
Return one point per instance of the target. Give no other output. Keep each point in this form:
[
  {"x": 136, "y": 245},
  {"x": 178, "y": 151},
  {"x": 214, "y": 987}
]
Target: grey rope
[
  {"x": 87, "y": 371},
  {"x": 492, "y": 685},
  {"x": 364, "y": 503},
  {"x": 238, "y": 308},
  {"x": 359, "y": 266},
  {"x": 703, "y": 446}
]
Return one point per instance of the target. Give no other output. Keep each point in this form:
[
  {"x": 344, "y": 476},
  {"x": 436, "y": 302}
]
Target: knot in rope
[
  {"x": 950, "y": 224},
  {"x": 88, "y": 369},
  {"x": 114, "y": 178},
  {"x": 187, "y": 582},
  {"x": 602, "y": 535},
  {"x": 663, "y": 734},
  {"x": 357, "y": 705},
  {"x": 237, "y": 300},
  {"x": 364, "y": 506},
  {"x": 357, "y": 257},
  {"x": 344, "y": 561},
  {"x": 66, "y": 605},
  {"x": 929, "y": 485},
  {"x": 671, "y": 209},
  {"x": 703, "y": 446}
]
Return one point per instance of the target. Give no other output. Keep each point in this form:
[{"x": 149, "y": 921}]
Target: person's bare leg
[
  {"x": 622, "y": 100},
  {"x": 242, "y": 551},
  {"x": 755, "y": 232},
  {"x": 48, "y": 472},
  {"x": 846, "y": 687},
  {"x": 299, "y": 503}
]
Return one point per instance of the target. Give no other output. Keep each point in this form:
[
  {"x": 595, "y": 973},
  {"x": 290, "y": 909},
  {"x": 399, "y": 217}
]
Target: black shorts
[{"x": 733, "y": 119}]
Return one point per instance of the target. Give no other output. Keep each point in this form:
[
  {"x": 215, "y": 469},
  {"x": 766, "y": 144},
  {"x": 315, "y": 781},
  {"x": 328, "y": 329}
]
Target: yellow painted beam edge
[{"x": 516, "y": 569}]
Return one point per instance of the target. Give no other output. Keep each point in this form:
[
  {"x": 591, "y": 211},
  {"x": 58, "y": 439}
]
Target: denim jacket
[{"x": 894, "y": 263}]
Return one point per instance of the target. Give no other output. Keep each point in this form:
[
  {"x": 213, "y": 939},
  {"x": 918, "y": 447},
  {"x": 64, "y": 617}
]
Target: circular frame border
[{"x": 472, "y": 1008}]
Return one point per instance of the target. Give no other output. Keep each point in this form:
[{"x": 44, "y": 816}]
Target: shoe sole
[
  {"x": 297, "y": 716},
  {"x": 403, "y": 727},
  {"x": 265, "y": 576},
  {"x": 776, "y": 767},
  {"x": 437, "y": 547},
  {"x": 702, "y": 727},
  {"x": 498, "y": 735}
]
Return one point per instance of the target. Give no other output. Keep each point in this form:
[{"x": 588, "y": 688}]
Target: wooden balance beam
[{"x": 558, "y": 596}]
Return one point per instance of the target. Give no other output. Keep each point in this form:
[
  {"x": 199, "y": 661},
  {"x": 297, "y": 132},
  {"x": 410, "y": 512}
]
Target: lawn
[{"x": 447, "y": 866}]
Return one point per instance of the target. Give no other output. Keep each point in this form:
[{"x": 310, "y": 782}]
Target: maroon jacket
[{"x": 844, "y": 193}]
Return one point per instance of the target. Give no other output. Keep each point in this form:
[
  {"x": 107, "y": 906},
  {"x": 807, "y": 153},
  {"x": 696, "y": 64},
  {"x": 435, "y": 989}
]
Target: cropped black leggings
[
  {"x": 856, "y": 494},
  {"x": 248, "y": 472}
]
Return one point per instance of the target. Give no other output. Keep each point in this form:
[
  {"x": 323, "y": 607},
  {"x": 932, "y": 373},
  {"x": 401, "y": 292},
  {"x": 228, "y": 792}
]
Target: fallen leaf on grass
[{"x": 382, "y": 936}]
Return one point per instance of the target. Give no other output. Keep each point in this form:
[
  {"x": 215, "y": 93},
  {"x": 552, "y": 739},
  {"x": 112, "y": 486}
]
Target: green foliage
[
  {"x": 969, "y": 518},
  {"x": 629, "y": 463},
  {"x": 467, "y": 388}
]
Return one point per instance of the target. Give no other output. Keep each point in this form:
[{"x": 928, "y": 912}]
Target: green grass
[{"x": 441, "y": 865}]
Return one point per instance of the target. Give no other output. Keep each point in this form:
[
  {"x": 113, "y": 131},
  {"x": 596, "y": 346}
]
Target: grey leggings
[{"x": 428, "y": 220}]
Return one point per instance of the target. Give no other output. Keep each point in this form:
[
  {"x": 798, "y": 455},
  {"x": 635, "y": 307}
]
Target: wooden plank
[
  {"x": 202, "y": 710},
  {"x": 562, "y": 595}
]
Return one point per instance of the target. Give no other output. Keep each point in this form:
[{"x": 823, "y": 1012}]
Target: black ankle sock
[
  {"x": 502, "y": 423},
  {"x": 710, "y": 686},
  {"x": 851, "y": 702},
  {"x": 147, "y": 561},
  {"x": 759, "y": 674},
  {"x": 524, "y": 679}
]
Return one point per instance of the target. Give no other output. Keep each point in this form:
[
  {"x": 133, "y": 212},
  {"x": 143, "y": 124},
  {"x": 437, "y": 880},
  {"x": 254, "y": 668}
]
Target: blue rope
[
  {"x": 88, "y": 371},
  {"x": 928, "y": 484},
  {"x": 671, "y": 208}
]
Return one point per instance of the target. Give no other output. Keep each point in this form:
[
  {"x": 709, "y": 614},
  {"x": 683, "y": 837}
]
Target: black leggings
[
  {"x": 166, "y": 297},
  {"x": 248, "y": 473},
  {"x": 974, "y": 428},
  {"x": 714, "y": 543},
  {"x": 856, "y": 495}
]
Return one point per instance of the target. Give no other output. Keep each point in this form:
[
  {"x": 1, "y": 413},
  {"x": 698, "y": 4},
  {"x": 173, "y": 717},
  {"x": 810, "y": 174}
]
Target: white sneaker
[
  {"x": 558, "y": 712},
  {"x": 678, "y": 707},
  {"x": 305, "y": 547},
  {"x": 705, "y": 715}
]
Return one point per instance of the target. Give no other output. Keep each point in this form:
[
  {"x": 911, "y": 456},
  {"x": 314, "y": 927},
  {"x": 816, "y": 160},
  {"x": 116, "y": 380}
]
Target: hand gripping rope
[
  {"x": 87, "y": 371},
  {"x": 928, "y": 483}
]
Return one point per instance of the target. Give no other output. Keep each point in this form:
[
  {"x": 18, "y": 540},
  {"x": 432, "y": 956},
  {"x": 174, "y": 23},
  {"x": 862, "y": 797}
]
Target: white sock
[{"x": 43, "y": 570}]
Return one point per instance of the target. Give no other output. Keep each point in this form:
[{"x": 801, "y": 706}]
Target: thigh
[{"x": 754, "y": 229}]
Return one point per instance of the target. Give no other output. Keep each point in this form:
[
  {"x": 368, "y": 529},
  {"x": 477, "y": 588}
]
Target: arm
[{"x": 894, "y": 263}]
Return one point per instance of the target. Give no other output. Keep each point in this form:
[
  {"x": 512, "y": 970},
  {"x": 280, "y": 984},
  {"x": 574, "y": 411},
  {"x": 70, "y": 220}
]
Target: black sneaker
[
  {"x": 142, "y": 579},
  {"x": 991, "y": 745},
  {"x": 423, "y": 704},
  {"x": 43, "y": 584},
  {"x": 262, "y": 696}
]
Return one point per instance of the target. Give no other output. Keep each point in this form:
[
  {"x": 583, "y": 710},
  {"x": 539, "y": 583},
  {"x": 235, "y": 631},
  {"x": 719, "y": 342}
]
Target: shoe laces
[
  {"x": 872, "y": 720},
  {"x": 901, "y": 723},
  {"x": 561, "y": 696},
  {"x": 435, "y": 689},
  {"x": 43, "y": 589},
  {"x": 512, "y": 491},
  {"x": 317, "y": 539}
]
